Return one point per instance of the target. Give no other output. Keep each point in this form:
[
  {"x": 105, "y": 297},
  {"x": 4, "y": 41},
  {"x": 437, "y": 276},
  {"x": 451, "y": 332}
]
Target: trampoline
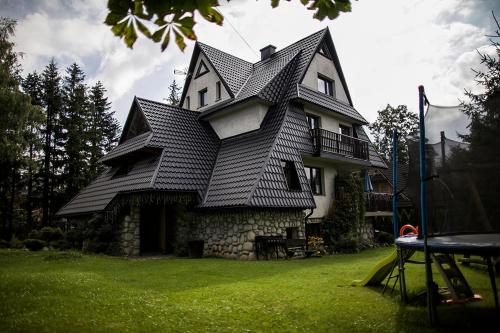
[
  {"x": 453, "y": 184},
  {"x": 471, "y": 244}
]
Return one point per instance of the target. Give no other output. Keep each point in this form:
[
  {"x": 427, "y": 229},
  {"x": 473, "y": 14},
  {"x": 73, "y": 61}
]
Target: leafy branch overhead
[{"x": 160, "y": 20}]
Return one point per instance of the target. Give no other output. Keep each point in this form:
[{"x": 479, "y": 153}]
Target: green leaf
[
  {"x": 179, "y": 40},
  {"x": 166, "y": 39},
  {"x": 113, "y": 18},
  {"x": 119, "y": 28},
  {"x": 186, "y": 27},
  {"x": 130, "y": 35},
  {"x": 275, "y": 3},
  {"x": 304, "y": 2},
  {"x": 214, "y": 16},
  {"x": 120, "y": 6},
  {"x": 158, "y": 34},
  {"x": 142, "y": 28}
]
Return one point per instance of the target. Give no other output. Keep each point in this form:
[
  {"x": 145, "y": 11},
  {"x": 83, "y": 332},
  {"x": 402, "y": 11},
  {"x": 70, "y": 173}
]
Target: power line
[{"x": 226, "y": 19}]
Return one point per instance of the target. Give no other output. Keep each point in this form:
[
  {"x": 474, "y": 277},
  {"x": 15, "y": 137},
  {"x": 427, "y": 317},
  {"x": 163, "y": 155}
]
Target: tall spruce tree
[
  {"x": 52, "y": 102},
  {"x": 103, "y": 128},
  {"x": 174, "y": 92},
  {"x": 74, "y": 120},
  {"x": 32, "y": 85},
  {"x": 16, "y": 116}
]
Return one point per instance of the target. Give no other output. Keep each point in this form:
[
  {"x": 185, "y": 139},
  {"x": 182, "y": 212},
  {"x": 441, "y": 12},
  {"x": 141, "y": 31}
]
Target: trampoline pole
[
  {"x": 395, "y": 216},
  {"x": 423, "y": 211}
]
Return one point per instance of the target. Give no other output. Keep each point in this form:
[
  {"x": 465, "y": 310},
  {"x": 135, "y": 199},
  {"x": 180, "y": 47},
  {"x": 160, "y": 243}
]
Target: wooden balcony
[{"x": 339, "y": 144}]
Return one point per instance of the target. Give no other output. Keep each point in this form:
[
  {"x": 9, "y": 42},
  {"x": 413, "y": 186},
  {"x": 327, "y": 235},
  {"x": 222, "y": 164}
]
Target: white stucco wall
[
  {"x": 324, "y": 66},
  {"x": 208, "y": 81},
  {"x": 324, "y": 201},
  {"x": 239, "y": 121}
]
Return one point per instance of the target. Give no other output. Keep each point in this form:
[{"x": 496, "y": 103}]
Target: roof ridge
[
  {"x": 293, "y": 44},
  {"x": 232, "y": 55},
  {"x": 164, "y": 104}
]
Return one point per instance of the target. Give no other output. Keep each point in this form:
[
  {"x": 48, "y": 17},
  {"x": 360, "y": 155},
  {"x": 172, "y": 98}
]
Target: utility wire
[{"x": 226, "y": 19}]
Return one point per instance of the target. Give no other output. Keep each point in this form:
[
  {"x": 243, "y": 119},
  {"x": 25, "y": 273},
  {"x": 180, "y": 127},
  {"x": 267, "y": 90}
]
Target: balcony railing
[{"x": 331, "y": 142}]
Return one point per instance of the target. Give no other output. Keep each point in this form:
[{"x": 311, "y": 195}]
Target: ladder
[{"x": 458, "y": 287}]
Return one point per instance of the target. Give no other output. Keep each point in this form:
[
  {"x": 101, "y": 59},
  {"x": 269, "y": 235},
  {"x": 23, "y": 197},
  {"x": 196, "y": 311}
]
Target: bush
[
  {"x": 4, "y": 244},
  {"x": 34, "y": 244},
  {"x": 384, "y": 237},
  {"x": 75, "y": 237},
  {"x": 16, "y": 243},
  {"x": 49, "y": 234},
  {"x": 61, "y": 244},
  {"x": 34, "y": 234},
  {"x": 347, "y": 245}
]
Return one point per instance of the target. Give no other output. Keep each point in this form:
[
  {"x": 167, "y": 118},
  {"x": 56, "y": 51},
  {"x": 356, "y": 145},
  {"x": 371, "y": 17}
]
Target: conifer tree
[
  {"x": 52, "y": 102},
  {"x": 174, "y": 94},
  {"x": 74, "y": 120}
]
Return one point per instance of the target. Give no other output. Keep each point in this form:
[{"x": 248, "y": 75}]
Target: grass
[{"x": 50, "y": 291}]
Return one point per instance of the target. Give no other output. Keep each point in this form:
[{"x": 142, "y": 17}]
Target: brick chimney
[{"x": 267, "y": 52}]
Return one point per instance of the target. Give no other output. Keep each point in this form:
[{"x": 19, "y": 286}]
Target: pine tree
[
  {"x": 74, "y": 124},
  {"x": 32, "y": 85},
  {"x": 103, "y": 128},
  {"x": 52, "y": 101},
  {"x": 174, "y": 94}
]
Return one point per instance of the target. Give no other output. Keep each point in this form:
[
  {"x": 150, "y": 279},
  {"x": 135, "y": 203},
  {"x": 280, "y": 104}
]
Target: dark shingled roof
[
  {"x": 134, "y": 144},
  {"x": 328, "y": 102},
  {"x": 244, "y": 170}
]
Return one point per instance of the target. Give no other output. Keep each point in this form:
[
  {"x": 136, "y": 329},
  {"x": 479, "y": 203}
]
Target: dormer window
[
  {"x": 325, "y": 85},
  {"x": 202, "y": 98},
  {"x": 123, "y": 170},
  {"x": 217, "y": 91},
  {"x": 291, "y": 176}
]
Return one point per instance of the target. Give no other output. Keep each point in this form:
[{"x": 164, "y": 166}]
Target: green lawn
[{"x": 49, "y": 291}]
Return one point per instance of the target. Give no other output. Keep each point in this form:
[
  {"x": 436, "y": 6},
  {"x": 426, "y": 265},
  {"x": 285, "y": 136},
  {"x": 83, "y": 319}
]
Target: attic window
[
  {"x": 202, "y": 69},
  {"x": 325, "y": 85},
  {"x": 217, "y": 91},
  {"x": 123, "y": 170},
  {"x": 291, "y": 176},
  {"x": 202, "y": 97}
]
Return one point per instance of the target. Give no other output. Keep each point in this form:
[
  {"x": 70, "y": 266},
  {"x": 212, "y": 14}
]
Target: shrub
[
  {"x": 60, "y": 244},
  {"x": 49, "y": 234},
  {"x": 347, "y": 245},
  {"x": 34, "y": 244},
  {"x": 34, "y": 234},
  {"x": 384, "y": 237},
  {"x": 4, "y": 244},
  {"x": 16, "y": 243},
  {"x": 75, "y": 237}
]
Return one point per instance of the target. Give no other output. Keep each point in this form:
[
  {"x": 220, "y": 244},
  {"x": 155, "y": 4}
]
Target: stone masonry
[
  {"x": 232, "y": 234},
  {"x": 130, "y": 233}
]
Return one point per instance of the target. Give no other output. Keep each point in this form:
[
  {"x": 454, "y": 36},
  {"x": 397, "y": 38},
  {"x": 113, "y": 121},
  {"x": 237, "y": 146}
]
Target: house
[{"x": 252, "y": 148}]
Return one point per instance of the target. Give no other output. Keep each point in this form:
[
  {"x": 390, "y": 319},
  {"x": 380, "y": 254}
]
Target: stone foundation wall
[
  {"x": 130, "y": 232},
  {"x": 231, "y": 234}
]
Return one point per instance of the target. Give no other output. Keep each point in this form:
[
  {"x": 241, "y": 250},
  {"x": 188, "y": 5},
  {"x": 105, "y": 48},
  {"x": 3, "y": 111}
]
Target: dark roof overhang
[{"x": 229, "y": 105}]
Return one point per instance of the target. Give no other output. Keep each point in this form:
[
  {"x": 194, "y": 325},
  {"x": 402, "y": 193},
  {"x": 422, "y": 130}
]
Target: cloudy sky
[{"x": 386, "y": 47}]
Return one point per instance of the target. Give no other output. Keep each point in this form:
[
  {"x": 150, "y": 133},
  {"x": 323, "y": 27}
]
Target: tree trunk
[
  {"x": 11, "y": 203},
  {"x": 29, "y": 199}
]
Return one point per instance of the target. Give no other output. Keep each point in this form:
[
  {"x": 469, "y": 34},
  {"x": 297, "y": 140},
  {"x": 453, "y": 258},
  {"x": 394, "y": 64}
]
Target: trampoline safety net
[{"x": 462, "y": 175}]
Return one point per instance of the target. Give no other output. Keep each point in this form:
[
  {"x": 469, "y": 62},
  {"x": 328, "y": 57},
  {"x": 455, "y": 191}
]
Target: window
[
  {"x": 313, "y": 121},
  {"x": 202, "y": 69},
  {"x": 188, "y": 102},
  {"x": 291, "y": 176},
  {"x": 325, "y": 85},
  {"x": 314, "y": 177},
  {"x": 345, "y": 130},
  {"x": 217, "y": 91},
  {"x": 292, "y": 233},
  {"x": 202, "y": 97}
]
